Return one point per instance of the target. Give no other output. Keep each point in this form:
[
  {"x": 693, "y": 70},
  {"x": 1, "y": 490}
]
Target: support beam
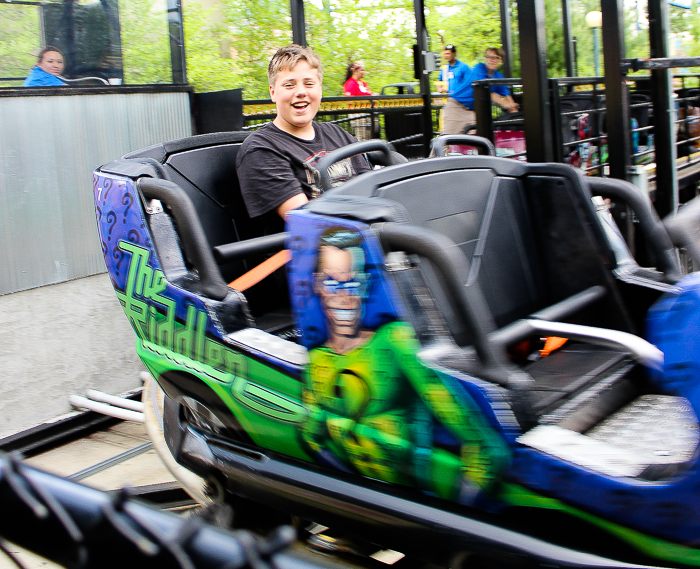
[
  {"x": 68, "y": 20},
  {"x": 666, "y": 199},
  {"x": 568, "y": 45},
  {"x": 423, "y": 47},
  {"x": 298, "y": 22},
  {"x": 533, "y": 65},
  {"x": 616, "y": 93},
  {"x": 177, "y": 42},
  {"x": 507, "y": 38},
  {"x": 113, "y": 16}
]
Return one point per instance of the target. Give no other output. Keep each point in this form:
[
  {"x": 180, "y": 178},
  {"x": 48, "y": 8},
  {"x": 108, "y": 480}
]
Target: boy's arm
[
  {"x": 501, "y": 96},
  {"x": 292, "y": 203},
  {"x": 268, "y": 183}
]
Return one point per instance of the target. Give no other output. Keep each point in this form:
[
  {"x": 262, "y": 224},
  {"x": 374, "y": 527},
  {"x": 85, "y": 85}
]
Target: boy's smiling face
[{"x": 297, "y": 95}]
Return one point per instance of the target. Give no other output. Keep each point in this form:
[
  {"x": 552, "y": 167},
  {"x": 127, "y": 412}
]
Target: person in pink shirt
[{"x": 354, "y": 86}]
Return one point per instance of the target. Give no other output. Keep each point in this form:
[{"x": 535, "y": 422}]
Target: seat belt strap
[{"x": 264, "y": 269}]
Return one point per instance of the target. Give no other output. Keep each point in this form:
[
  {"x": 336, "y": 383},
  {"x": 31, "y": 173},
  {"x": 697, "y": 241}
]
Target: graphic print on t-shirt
[{"x": 339, "y": 172}]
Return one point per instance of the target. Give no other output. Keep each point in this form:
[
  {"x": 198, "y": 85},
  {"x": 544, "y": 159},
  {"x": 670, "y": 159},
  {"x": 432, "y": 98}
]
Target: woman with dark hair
[
  {"x": 48, "y": 69},
  {"x": 354, "y": 86}
]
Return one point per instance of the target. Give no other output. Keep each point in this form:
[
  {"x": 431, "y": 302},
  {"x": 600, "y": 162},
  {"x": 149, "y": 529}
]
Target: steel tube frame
[
  {"x": 482, "y": 109},
  {"x": 596, "y": 53},
  {"x": 507, "y": 37},
  {"x": 422, "y": 75},
  {"x": 298, "y": 22},
  {"x": 666, "y": 199},
  {"x": 616, "y": 92},
  {"x": 568, "y": 45},
  {"x": 533, "y": 65},
  {"x": 68, "y": 20},
  {"x": 177, "y": 42}
]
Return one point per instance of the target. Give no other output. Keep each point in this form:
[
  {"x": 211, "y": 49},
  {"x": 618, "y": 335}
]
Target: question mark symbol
[
  {"x": 111, "y": 218},
  {"x": 128, "y": 201},
  {"x": 104, "y": 248},
  {"x": 133, "y": 236},
  {"x": 107, "y": 187},
  {"x": 118, "y": 254}
]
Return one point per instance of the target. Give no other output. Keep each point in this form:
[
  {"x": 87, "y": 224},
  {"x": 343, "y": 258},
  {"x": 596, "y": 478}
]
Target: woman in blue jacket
[{"x": 47, "y": 70}]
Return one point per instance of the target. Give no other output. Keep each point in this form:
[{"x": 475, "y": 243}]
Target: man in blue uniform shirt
[
  {"x": 500, "y": 95},
  {"x": 456, "y": 82}
]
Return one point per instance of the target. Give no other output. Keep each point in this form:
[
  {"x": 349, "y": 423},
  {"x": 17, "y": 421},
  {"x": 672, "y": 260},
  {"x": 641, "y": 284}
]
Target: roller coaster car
[{"x": 453, "y": 357}]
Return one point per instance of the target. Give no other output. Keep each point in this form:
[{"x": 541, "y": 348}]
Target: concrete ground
[{"x": 60, "y": 340}]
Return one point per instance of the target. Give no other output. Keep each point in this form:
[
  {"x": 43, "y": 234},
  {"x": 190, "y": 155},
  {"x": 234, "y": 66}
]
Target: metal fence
[
  {"x": 505, "y": 130},
  {"x": 579, "y": 126},
  {"x": 49, "y": 146},
  {"x": 394, "y": 118}
]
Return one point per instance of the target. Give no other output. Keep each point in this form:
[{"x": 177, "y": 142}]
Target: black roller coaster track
[{"x": 81, "y": 527}]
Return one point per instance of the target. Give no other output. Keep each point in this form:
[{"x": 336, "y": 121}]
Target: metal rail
[
  {"x": 49, "y": 435},
  {"x": 83, "y": 527},
  {"x": 113, "y": 461},
  {"x": 659, "y": 63}
]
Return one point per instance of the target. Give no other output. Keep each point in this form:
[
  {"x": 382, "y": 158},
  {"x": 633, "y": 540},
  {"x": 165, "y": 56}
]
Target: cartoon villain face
[{"x": 341, "y": 287}]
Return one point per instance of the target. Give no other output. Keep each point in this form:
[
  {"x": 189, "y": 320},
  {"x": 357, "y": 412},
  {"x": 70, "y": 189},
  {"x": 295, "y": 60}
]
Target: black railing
[
  {"x": 579, "y": 129},
  {"x": 505, "y": 130},
  {"x": 688, "y": 121},
  {"x": 578, "y": 108},
  {"x": 578, "y": 114},
  {"x": 394, "y": 118}
]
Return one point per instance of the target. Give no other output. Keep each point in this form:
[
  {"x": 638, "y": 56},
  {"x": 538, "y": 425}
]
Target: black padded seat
[
  {"x": 456, "y": 214},
  {"x": 529, "y": 231},
  {"x": 204, "y": 167},
  {"x": 563, "y": 374},
  {"x": 488, "y": 219},
  {"x": 533, "y": 242}
]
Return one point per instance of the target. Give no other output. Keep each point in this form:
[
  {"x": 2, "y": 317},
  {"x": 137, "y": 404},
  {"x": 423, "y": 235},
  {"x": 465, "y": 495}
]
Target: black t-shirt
[{"x": 274, "y": 166}]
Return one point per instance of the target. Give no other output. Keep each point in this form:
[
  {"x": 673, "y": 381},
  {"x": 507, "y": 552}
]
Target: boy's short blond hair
[{"x": 287, "y": 57}]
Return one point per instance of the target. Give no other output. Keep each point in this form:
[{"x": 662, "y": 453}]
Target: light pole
[{"x": 594, "y": 20}]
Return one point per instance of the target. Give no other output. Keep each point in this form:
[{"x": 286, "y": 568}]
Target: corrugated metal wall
[{"x": 49, "y": 146}]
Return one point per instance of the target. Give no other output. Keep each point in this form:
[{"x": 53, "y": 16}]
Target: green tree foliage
[
  {"x": 683, "y": 23},
  {"x": 470, "y": 25},
  {"x": 686, "y": 24},
  {"x": 231, "y": 47},
  {"x": 209, "y": 66},
  {"x": 257, "y": 29},
  {"x": 20, "y": 40},
  {"x": 379, "y": 33},
  {"x": 145, "y": 44}
]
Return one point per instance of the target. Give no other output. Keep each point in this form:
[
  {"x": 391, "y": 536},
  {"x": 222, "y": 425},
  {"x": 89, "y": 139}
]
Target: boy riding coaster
[{"x": 275, "y": 164}]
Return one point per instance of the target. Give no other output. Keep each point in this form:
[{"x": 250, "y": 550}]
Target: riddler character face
[{"x": 342, "y": 287}]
